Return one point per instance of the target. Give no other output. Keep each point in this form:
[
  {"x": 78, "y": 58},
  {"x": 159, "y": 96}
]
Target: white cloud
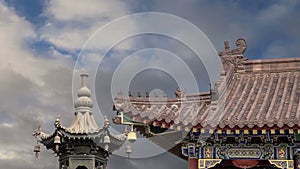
[
  {"x": 277, "y": 11},
  {"x": 31, "y": 90},
  {"x": 16, "y": 55},
  {"x": 83, "y": 10},
  {"x": 70, "y": 24},
  {"x": 13, "y": 42},
  {"x": 36, "y": 87}
]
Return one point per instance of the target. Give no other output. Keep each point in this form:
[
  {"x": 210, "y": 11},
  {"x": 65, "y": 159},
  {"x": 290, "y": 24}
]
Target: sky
[{"x": 45, "y": 42}]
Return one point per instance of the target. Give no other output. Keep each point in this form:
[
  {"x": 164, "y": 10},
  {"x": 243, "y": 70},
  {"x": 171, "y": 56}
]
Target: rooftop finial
[
  {"x": 84, "y": 94},
  {"x": 83, "y": 121},
  {"x": 226, "y": 45},
  {"x": 234, "y": 57},
  {"x": 239, "y": 51},
  {"x": 84, "y": 78}
]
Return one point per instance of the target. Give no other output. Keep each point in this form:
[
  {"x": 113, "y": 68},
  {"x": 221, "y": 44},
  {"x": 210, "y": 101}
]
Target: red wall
[{"x": 193, "y": 163}]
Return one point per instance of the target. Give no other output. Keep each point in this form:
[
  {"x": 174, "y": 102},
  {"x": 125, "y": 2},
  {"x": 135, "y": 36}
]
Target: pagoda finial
[
  {"x": 83, "y": 121},
  {"x": 84, "y": 94},
  {"x": 84, "y": 80}
]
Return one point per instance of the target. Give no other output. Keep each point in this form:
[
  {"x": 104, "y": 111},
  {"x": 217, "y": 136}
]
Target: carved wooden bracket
[
  {"x": 284, "y": 164},
  {"x": 208, "y": 163}
]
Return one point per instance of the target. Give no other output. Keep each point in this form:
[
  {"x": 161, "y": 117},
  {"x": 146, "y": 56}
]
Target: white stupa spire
[
  {"x": 84, "y": 95},
  {"x": 83, "y": 121}
]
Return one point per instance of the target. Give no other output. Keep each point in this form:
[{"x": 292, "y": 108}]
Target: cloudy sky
[{"x": 41, "y": 45}]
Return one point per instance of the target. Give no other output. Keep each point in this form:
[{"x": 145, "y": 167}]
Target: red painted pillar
[{"x": 193, "y": 163}]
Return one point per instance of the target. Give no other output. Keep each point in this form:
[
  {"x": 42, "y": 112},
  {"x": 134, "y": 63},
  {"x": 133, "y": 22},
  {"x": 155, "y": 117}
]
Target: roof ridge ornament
[
  {"x": 214, "y": 92},
  {"x": 235, "y": 56},
  {"x": 39, "y": 132},
  {"x": 106, "y": 122},
  {"x": 57, "y": 122},
  {"x": 180, "y": 93},
  {"x": 239, "y": 51}
]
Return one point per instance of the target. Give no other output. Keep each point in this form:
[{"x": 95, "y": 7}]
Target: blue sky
[{"x": 41, "y": 41}]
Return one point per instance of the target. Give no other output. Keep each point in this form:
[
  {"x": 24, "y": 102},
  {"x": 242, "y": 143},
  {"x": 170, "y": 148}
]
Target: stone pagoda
[{"x": 82, "y": 145}]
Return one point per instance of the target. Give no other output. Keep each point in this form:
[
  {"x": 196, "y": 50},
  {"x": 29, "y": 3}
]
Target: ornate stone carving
[
  {"x": 241, "y": 48},
  {"x": 235, "y": 56}
]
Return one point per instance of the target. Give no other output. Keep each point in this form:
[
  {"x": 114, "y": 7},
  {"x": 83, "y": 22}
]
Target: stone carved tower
[{"x": 82, "y": 145}]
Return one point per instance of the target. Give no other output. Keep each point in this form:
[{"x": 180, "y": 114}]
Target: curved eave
[
  {"x": 99, "y": 134},
  {"x": 268, "y": 98},
  {"x": 48, "y": 141},
  {"x": 229, "y": 126}
]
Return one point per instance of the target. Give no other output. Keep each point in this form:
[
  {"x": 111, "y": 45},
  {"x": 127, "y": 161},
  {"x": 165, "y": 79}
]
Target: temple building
[
  {"x": 250, "y": 118},
  {"x": 82, "y": 145}
]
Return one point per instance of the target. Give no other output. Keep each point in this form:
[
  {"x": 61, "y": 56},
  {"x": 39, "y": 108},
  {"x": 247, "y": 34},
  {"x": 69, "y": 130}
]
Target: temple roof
[
  {"x": 98, "y": 137},
  {"x": 249, "y": 94}
]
